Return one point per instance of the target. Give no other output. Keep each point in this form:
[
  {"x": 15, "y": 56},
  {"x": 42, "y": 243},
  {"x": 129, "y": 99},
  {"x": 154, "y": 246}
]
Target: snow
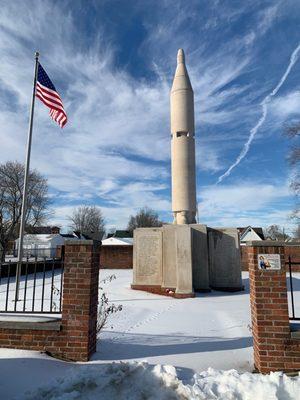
[
  {"x": 156, "y": 348},
  {"x": 113, "y": 241},
  {"x": 29, "y": 318},
  {"x": 192, "y": 334},
  {"x": 30, "y": 259},
  {"x": 138, "y": 381}
]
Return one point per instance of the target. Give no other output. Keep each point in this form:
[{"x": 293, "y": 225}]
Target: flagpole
[{"x": 25, "y": 187}]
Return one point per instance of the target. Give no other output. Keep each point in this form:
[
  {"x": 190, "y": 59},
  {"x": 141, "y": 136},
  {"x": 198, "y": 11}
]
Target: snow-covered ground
[
  {"x": 204, "y": 338},
  {"x": 192, "y": 334}
]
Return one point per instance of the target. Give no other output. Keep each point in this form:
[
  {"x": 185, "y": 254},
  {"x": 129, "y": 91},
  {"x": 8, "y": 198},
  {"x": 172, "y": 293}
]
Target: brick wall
[
  {"x": 116, "y": 257},
  {"x": 74, "y": 336},
  {"x": 292, "y": 250},
  {"x": 244, "y": 258},
  {"x": 274, "y": 347}
]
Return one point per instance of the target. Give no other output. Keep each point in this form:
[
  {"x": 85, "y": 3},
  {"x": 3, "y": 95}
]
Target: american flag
[{"x": 46, "y": 92}]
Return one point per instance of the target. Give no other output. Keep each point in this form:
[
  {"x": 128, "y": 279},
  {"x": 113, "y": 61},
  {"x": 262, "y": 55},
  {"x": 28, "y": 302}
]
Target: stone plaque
[
  {"x": 147, "y": 262},
  {"x": 269, "y": 261},
  {"x": 149, "y": 254}
]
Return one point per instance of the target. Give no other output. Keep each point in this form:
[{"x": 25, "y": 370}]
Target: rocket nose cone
[
  {"x": 181, "y": 78},
  {"x": 180, "y": 57}
]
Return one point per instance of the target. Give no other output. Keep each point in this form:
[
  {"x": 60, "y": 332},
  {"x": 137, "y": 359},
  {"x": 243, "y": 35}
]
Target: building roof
[
  {"x": 41, "y": 230},
  {"x": 44, "y": 237},
  {"x": 120, "y": 234},
  {"x": 74, "y": 235},
  {"x": 41, "y": 237},
  {"x": 68, "y": 235},
  {"x": 112, "y": 241},
  {"x": 93, "y": 235},
  {"x": 258, "y": 231},
  {"x": 38, "y": 230}
]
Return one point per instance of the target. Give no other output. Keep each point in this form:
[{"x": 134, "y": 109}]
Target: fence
[
  {"x": 40, "y": 285},
  {"x": 71, "y": 336},
  {"x": 291, "y": 265}
]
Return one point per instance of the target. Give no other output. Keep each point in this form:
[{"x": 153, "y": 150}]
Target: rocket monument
[
  {"x": 185, "y": 257},
  {"x": 183, "y": 165}
]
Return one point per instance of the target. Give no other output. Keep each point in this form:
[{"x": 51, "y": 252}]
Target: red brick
[{"x": 116, "y": 257}]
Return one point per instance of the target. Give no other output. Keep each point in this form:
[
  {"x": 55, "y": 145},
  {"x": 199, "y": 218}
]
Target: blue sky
[{"x": 113, "y": 61}]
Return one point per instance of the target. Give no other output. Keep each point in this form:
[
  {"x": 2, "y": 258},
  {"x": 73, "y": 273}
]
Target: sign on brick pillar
[
  {"x": 80, "y": 298},
  {"x": 274, "y": 350}
]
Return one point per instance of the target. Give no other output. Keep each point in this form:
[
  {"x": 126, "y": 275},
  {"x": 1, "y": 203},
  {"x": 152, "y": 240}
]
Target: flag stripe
[
  {"x": 55, "y": 113},
  {"x": 46, "y": 92},
  {"x": 49, "y": 102},
  {"x": 53, "y": 92},
  {"x": 58, "y": 117},
  {"x": 50, "y": 93}
]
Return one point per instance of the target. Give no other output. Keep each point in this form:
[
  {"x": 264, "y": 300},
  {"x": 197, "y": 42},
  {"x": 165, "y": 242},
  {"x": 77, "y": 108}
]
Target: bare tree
[
  {"x": 106, "y": 307},
  {"x": 88, "y": 220},
  {"x": 297, "y": 232},
  {"x": 11, "y": 188},
  {"x": 145, "y": 218},
  {"x": 275, "y": 232},
  {"x": 293, "y": 132}
]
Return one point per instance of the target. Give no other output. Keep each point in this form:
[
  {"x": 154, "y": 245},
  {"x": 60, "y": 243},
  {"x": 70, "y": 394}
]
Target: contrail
[{"x": 266, "y": 100}]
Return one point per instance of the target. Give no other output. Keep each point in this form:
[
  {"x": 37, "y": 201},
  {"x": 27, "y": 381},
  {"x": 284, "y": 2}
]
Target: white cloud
[
  {"x": 112, "y": 118},
  {"x": 115, "y": 149},
  {"x": 284, "y": 106},
  {"x": 123, "y": 201},
  {"x": 264, "y": 109},
  {"x": 267, "y": 18},
  {"x": 244, "y": 204}
]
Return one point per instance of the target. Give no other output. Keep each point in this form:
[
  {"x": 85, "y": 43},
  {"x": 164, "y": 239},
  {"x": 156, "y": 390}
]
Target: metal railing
[
  {"x": 41, "y": 285},
  {"x": 290, "y": 264}
]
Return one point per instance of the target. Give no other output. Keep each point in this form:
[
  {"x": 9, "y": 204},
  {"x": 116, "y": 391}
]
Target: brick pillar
[
  {"x": 80, "y": 299},
  {"x": 274, "y": 350}
]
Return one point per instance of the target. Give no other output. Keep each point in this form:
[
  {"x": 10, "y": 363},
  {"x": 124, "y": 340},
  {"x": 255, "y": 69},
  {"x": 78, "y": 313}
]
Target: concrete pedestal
[{"x": 180, "y": 259}]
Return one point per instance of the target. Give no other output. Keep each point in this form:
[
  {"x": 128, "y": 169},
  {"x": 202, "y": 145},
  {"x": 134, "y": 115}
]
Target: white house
[
  {"x": 45, "y": 240},
  {"x": 249, "y": 234},
  {"x": 42, "y": 245}
]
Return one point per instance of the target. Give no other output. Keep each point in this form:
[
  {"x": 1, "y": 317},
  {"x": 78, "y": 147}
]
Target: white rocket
[{"x": 184, "y": 204}]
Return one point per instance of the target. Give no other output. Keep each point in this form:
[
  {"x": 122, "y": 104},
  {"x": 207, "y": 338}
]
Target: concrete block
[
  {"x": 224, "y": 259},
  {"x": 200, "y": 257},
  {"x": 169, "y": 256}
]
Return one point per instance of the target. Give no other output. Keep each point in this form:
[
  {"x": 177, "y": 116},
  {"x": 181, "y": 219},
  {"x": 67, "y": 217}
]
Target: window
[{"x": 182, "y": 133}]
